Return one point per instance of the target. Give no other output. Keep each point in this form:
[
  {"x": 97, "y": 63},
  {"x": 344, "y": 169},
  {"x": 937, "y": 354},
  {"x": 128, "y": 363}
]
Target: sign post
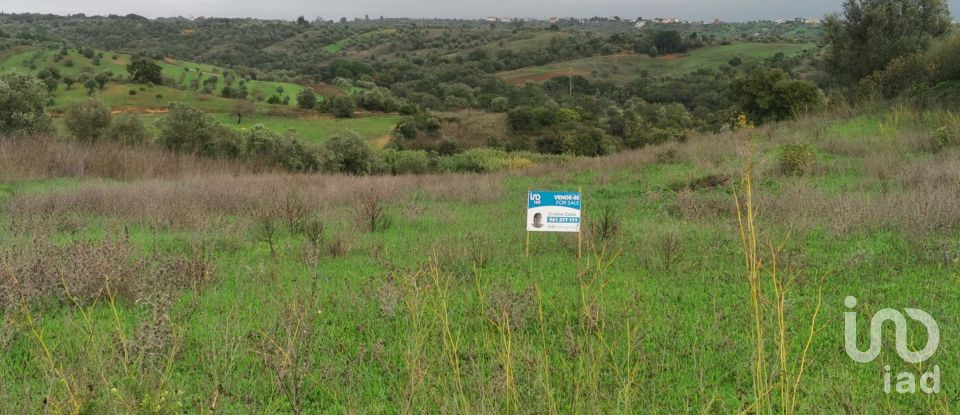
[{"x": 553, "y": 212}]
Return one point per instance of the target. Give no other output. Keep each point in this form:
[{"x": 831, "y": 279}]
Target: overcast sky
[{"x": 730, "y": 10}]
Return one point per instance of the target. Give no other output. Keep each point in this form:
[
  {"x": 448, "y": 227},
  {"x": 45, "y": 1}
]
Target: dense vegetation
[{"x": 418, "y": 68}]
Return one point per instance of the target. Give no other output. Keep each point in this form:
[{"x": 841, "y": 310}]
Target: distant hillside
[{"x": 624, "y": 67}]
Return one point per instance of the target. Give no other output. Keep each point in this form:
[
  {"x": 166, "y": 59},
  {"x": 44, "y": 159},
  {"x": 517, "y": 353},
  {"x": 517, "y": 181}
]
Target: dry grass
[
  {"x": 31, "y": 158},
  {"x": 39, "y": 269},
  {"x": 471, "y": 129},
  {"x": 195, "y": 200}
]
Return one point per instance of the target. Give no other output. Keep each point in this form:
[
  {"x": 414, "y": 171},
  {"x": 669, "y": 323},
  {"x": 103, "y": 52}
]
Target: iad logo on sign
[{"x": 553, "y": 211}]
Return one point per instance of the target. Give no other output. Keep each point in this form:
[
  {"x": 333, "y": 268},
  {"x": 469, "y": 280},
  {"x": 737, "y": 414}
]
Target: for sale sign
[{"x": 553, "y": 211}]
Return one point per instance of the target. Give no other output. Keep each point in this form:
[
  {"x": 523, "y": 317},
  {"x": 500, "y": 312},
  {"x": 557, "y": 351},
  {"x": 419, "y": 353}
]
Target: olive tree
[
  {"x": 871, "y": 33},
  {"x": 87, "y": 120},
  {"x": 22, "y": 99}
]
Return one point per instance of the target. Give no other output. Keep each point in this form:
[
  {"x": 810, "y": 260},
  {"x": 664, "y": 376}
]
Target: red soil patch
[{"x": 670, "y": 57}]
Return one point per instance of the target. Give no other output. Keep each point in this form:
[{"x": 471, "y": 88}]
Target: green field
[
  {"x": 439, "y": 309},
  {"x": 626, "y": 67},
  {"x": 181, "y": 72},
  {"x": 315, "y": 130}
]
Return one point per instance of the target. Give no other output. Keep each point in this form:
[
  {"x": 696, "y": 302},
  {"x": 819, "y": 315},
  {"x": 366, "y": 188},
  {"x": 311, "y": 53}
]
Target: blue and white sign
[{"x": 553, "y": 211}]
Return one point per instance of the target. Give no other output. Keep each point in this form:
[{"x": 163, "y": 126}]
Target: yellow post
[{"x": 528, "y": 244}]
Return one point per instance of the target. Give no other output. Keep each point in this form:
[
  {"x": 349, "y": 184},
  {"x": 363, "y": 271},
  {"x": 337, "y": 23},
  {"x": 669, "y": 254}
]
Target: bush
[
  {"x": 186, "y": 129},
  {"x": 481, "y": 160},
  {"x": 128, "y": 129},
  {"x": 144, "y": 71},
  {"x": 405, "y": 162},
  {"x": 270, "y": 148},
  {"x": 552, "y": 143},
  {"x": 378, "y": 100},
  {"x": 899, "y": 74},
  {"x": 347, "y": 153},
  {"x": 22, "y": 99},
  {"x": 499, "y": 104},
  {"x": 342, "y": 106},
  {"x": 87, "y": 120},
  {"x": 592, "y": 142},
  {"x": 944, "y": 58},
  {"x": 307, "y": 99},
  {"x": 528, "y": 119},
  {"x": 797, "y": 159},
  {"x": 768, "y": 94},
  {"x": 448, "y": 146}
]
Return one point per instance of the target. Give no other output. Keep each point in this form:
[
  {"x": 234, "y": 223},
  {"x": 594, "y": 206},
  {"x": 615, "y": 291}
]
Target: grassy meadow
[{"x": 136, "y": 281}]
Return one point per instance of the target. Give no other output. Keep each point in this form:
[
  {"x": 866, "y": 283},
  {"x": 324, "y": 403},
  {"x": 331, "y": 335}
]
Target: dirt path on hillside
[
  {"x": 132, "y": 109},
  {"x": 382, "y": 141}
]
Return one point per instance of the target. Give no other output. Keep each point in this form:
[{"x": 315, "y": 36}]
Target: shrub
[
  {"x": 144, "y": 71},
  {"x": 552, "y": 143},
  {"x": 128, "y": 129},
  {"x": 132, "y": 92},
  {"x": 370, "y": 211},
  {"x": 768, "y": 94},
  {"x": 342, "y": 106},
  {"x": 448, "y": 146},
  {"x": 87, "y": 120},
  {"x": 499, "y": 104},
  {"x": 943, "y": 138},
  {"x": 481, "y": 160},
  {"x": 270, "y": 148},
  {"x": 347, "y": 153},
  {"x": 605, "y": 227},
  {"x": 592, "y": 142},
  {"x": 899, "y": 74},
  {"x": 22, "y": 99},
  {"x": 797, "y": 159},
  {"x": 405, "y": 162},
  {"x": 186, "y": 129},
  {"x": 522, "y": 119},
  {"x": 943, "y": 60},
  {"x": 307, "y": 99},
  {"x": 378, "y": 100}
]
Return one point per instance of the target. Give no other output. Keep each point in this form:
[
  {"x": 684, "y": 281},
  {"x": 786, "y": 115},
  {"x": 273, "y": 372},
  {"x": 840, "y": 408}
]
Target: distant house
[
  {"x": 717, "y": 22},
  {"x": 553, "y": 19},
  {"x": 640, "y": 24}
]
